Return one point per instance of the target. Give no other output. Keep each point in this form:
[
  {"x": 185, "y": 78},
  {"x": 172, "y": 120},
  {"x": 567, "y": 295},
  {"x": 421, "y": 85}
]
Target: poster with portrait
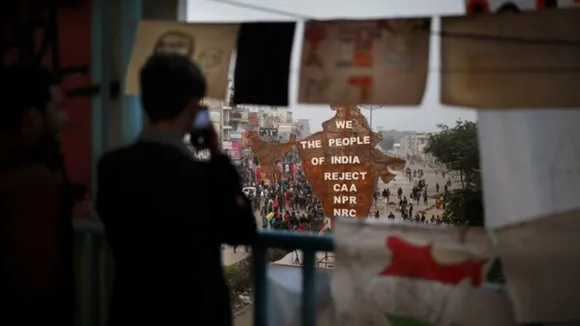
[
  {"x": 365, "y": 62},
  {"x": 210, "y": 45},
  {"x": 395, "y": 274},
  {"x": 519, "y": 60}
]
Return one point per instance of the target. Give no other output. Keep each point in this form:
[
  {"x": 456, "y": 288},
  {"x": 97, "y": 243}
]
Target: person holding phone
[{"x": 166, "y": 215}]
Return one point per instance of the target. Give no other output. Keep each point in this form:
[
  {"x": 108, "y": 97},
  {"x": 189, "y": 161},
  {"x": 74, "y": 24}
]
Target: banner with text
[
  {"x": 340, "y": 162},
  {"x": 523, "y": 60},
  {"x": 342, "y": 165},
  {"x": 210, "y": 45},
  {"x": 365, "y": 62},
  {"x": 269, "y": 132},
  {"x": 414, "y": 275}
]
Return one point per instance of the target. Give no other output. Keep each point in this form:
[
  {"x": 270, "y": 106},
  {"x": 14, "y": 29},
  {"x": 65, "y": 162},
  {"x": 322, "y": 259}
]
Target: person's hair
[
  {"x": 169, "y": 82},
  {"x": 24, "y": 87}
]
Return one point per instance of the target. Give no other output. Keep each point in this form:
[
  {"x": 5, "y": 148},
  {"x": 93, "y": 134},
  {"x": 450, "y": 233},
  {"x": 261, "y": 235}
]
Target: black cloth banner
[{"x": 262, "y": 71}]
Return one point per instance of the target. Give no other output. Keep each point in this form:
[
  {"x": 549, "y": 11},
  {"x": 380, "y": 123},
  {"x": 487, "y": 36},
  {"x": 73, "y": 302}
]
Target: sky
[{"x": 423, "y": 118}]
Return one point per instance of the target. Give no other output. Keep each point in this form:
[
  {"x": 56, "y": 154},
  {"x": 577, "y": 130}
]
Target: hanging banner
[
  {"x": 235, "y": 151},
  {"x": 210, "y": 45},
  {"x": 365, "y": 62},
  {"x": 540, "y": 237},
  {"x": 541, "y": 264},
  {"x": 509, "y": 6},
  {"x": 342, "y": 165},
  {"x": 403, "y": 274},
  {"x": 523, "y": 60}
]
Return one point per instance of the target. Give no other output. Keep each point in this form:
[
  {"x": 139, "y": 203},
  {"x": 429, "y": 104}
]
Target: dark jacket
[
  {"x": 166, "y": 217},
  {"x": 36, "y": 236}
]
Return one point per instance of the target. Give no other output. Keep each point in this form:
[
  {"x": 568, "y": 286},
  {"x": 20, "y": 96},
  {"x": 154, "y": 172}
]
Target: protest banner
[{"x": 396, "y": 274}]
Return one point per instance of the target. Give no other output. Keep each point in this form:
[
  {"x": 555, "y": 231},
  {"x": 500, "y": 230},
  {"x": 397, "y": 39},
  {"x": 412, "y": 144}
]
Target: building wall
[
  {"x": 302, "y": 128},
  {"x": 415, "y": 145},
  {"x": 271, "y": 116}
]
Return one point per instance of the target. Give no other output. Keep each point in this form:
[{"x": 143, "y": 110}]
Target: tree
[
  {"x": 388, "y": 142},
  {"x": 457, "y": 150}
]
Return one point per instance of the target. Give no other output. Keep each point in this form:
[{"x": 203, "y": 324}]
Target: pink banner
[{"x": 235, "y": 151}]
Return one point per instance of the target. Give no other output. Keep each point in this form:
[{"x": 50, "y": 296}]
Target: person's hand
[{"x": 214, "y": 147}]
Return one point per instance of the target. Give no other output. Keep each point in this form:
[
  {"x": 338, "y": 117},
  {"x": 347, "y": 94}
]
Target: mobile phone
[
  {"x": 201, "y": 120},
  {"x": 201, "y": 132}
]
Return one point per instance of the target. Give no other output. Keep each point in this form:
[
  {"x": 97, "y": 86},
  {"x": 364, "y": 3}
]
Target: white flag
[{"x": 403, "y": 275}]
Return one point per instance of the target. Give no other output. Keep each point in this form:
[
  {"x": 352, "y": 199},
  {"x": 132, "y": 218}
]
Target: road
[{"x": 401, "y": 181}]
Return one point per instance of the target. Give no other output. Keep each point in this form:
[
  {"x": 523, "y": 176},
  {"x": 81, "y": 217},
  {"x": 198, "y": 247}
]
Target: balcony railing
[
  {"x": 93, "y": 288},
  {"x": 93, "y": 269},
  {"x": 309, "y": 245}
]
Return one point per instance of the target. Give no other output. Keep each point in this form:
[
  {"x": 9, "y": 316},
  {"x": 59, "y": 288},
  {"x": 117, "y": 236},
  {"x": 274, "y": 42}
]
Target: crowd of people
[
  {"x": 416, "y": 204},
  {"x": 286, "y": 204}
]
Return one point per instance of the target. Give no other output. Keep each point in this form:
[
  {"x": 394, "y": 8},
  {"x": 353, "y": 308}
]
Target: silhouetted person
[
  {"x": 36, "y": 235},
  {"x": 166, "y": 215}
]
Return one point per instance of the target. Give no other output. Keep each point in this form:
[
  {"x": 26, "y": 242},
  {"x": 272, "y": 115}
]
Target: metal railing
[
  {"x": 93, "y": 287},
  {"x": 90, "y": 236},
  {"x": 309, "y": 245},
  {"x": 90, "y": 243}
]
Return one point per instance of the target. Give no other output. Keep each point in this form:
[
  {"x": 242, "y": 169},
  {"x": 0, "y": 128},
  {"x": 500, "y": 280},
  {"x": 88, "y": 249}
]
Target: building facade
[
  {"x": 302, "y": 128},
  {"x": 285, "y": 130},
  {"x": 237, "y": 125},
  {"x": 413, "y": 146}
]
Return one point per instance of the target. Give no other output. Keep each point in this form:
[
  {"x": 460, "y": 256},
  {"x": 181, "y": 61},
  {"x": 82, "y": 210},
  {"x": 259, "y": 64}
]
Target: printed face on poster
[
  {"x": 210, "y": 45},
  {"x": 365, "y": 62}
]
